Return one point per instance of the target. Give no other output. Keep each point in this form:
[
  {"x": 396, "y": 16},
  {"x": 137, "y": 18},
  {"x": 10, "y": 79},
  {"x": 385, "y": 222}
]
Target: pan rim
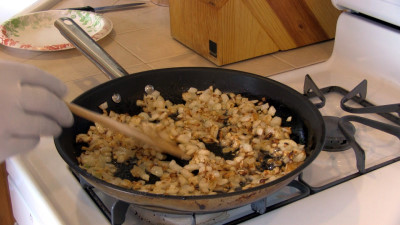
[{"x": 316, "y": 150}]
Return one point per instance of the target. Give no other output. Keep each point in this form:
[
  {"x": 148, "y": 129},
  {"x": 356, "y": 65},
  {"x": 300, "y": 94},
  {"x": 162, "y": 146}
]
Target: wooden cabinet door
[{"x": 6, "y": 216}]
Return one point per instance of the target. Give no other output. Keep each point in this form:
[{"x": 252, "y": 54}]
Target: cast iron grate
[{"x": 358, "y": 94}]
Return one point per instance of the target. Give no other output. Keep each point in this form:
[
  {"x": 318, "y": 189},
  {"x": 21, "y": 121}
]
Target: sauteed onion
[{"x": 235, "y": 143}]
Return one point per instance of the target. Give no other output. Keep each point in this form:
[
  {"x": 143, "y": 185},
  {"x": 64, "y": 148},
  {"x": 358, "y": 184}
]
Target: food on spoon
[{"x": 235, "y": 143}]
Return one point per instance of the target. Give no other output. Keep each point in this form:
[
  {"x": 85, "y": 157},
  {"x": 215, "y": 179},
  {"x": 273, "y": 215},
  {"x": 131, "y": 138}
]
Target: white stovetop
[{"x": 369, "y": 199}]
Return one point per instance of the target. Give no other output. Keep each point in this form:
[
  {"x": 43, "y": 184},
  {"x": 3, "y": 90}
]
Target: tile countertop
[{"x": 141, "y": 40}]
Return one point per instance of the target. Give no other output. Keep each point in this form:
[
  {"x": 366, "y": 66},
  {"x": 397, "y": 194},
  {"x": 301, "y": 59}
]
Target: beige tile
[
  {"x": 14, "y": 54},
  {"x": 138, "y": 68},
  {"x": 186, "y": 60},
  {"x": 72, "y": 64},
  {"x": 307, "y": 55},
  {"x": 66, "y": 65},
  {"x": 152, "y": 44},
  {"x": 263, "y": 65},
  {"x": 79, "y": 86},
  {"x": 139, "y": 18},
  {"x": 119, "y": 53}
]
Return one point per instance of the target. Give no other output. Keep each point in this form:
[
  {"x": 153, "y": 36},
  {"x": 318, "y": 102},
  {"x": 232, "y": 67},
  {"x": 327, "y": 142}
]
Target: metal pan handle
[{"x": 83, "y": 42}]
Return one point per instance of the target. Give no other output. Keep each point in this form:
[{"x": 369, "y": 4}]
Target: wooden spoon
[{"x": 158, "y": 143}]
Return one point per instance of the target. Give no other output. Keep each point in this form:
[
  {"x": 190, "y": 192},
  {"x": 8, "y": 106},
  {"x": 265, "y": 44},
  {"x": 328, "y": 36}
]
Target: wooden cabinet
[
  {"x": 227, "y": 31},
  {"x": 6, "y": 216}
]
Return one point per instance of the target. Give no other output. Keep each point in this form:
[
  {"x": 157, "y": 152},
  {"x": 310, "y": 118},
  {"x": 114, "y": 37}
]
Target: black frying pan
[{"x": 307, "y": 123}]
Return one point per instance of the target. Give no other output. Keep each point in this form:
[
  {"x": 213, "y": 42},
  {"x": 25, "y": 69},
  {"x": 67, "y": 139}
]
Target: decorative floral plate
[{"x": 36, "y": 31}]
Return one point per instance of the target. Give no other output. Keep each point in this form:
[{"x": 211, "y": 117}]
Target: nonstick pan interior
[{"x": 171, "y": 83}]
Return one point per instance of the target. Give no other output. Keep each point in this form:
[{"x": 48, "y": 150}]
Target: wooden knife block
[{"x": 228, "y": 31}]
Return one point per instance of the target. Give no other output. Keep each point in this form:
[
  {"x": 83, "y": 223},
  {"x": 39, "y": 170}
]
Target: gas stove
[
  {"x": 342, "y": 159},
  {"x": 353, "y": 181}
]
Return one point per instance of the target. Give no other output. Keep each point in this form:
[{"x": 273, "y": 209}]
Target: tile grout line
[
  {"x": 284, "y": 61},
  {"x": 151, "y": 61}
]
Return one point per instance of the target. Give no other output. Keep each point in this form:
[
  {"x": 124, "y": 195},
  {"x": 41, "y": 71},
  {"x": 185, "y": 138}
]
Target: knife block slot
[
  {"x": 242, "y": 29},
  {"x": 213, "y": 48}
]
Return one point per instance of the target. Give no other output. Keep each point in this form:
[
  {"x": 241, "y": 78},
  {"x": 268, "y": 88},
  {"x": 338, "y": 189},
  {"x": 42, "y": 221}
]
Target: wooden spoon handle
[{"x": 158, "y": 143}]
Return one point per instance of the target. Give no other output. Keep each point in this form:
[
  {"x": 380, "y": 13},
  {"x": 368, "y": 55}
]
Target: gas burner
[
  {"x": 335, "y": 140},
  {"x": 341, "y": 134},
  {"x": 150, "y": 217}
]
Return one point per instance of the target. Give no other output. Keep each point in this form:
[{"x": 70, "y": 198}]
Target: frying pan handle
[{"x": 83, "y": 42}]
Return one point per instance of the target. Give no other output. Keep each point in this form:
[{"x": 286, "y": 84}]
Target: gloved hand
[{"x": 30, "y": 107}]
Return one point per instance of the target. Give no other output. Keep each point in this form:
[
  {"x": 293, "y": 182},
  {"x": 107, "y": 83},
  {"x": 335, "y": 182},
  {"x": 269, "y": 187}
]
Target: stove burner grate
[
  {"x": 344, "y": 136},
  {"x": 335, "y": 140}
]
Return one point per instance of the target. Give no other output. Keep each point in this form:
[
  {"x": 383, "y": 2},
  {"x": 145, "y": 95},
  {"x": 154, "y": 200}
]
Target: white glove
[{"x": 30, "y": 107}]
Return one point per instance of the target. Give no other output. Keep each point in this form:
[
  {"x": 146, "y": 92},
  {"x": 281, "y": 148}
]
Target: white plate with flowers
[{"x": 36, "y": 31}]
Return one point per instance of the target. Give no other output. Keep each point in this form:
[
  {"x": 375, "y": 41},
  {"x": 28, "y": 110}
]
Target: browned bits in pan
[{"x": 235, "y": 143}]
